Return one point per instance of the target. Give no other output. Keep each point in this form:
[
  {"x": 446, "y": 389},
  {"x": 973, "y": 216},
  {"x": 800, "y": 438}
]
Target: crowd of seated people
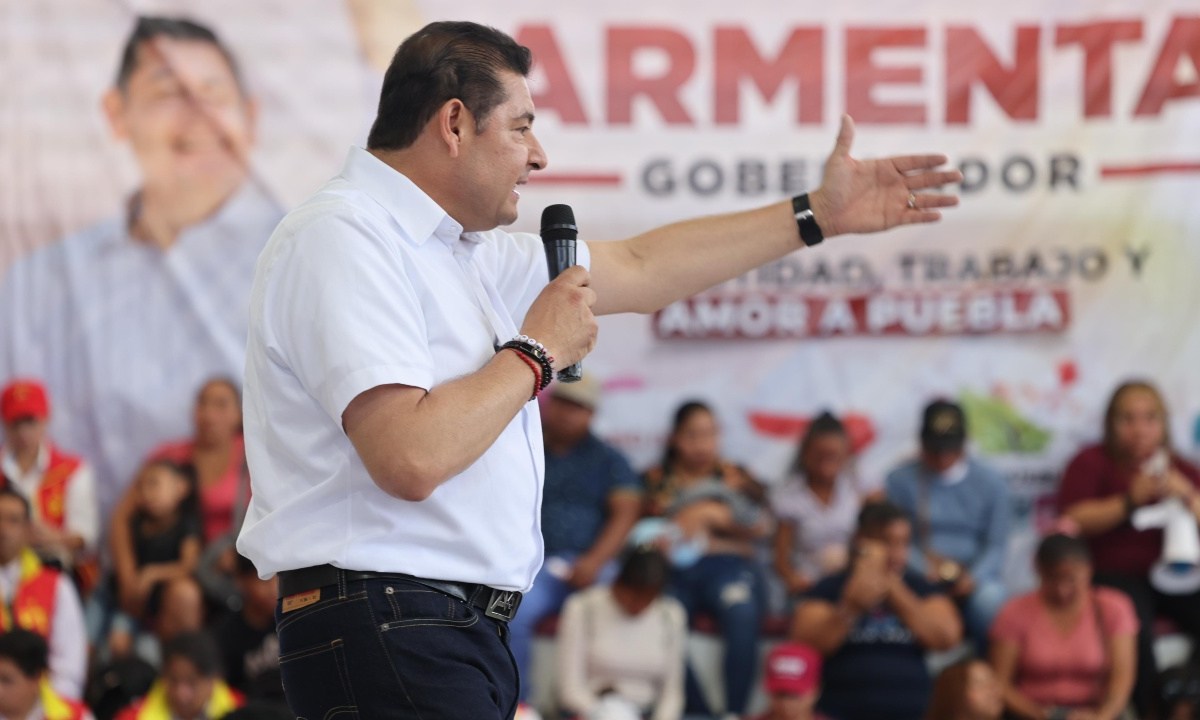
[{"x": 878, "y": 575}]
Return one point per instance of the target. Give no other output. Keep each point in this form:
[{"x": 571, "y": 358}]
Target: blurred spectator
[
  {"x": 623, "y": 646},
  {"x": 716, "y": 509},
  {"x": 40, "y": 599},
  {"x": 1104, "y": 485},
  {"x": 154, "y": 557},
  {"x": 59, "y": 486},
  {"x": 123, "y": 320},
  {"x": 793, "y": 683},
  {"x": 960, "y": 511},
  {"x": 25, "y": 689},
  {"x": 1179, "y": 693},
  {"x": 874, "y": 622},
  {"x": 966, "y": 690},
  {"x": 249, "y": 645},
  {"x": 591, "y": 497},
  {"x": 190, "y": 685},
  {"x": 1065, "y": 648},
  {"x": 816, "y": 506},
  {"x": 217, "y": 456}
]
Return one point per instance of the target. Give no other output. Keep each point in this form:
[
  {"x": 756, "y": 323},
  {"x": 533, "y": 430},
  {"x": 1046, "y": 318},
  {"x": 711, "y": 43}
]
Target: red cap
[
  {"x": 24, "y": 399},
  {"x": 793, "y": 669}
]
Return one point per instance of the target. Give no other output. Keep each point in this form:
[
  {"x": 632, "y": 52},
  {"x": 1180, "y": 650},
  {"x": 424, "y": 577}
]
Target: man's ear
[
  {"x": 453, "y": 121},
  {"x": 113, "y": 105}
]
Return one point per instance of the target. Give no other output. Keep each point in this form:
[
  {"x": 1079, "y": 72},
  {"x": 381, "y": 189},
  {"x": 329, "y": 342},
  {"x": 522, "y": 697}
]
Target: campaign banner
[{"x": 1069, "y": 266}]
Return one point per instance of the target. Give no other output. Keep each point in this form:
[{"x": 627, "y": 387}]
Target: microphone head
[{"x": 558, "y": 223}]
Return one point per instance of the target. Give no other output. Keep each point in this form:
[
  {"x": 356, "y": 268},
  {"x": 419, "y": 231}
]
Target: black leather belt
[{"x": 496, "y": 604}]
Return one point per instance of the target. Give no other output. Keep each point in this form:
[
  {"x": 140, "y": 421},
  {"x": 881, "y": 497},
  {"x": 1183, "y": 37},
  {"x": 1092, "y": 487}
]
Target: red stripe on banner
[
  {"x": 602, "y": 179},
  {"x": 1120, "y": 171}
]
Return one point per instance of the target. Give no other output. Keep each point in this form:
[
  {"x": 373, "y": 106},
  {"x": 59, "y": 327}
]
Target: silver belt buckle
[{"x": 503, "y": 604}]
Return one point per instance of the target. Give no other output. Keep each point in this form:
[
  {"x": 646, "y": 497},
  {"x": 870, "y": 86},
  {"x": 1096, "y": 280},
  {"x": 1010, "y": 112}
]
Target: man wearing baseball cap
[
  {"x": 960, "y": 511},
  {"x": 793, "y": 683},
  {"x": 59, "y": 486}
]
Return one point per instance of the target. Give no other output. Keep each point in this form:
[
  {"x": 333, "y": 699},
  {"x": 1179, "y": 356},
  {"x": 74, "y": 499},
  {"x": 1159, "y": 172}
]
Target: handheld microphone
[{"x": 558, "y": 236}]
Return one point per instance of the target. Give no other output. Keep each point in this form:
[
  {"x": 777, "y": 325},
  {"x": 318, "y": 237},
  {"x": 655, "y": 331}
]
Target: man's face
[
  {"x": 895, "y": 538},
  {"x": 18, "y": 693},
  {"x": 565, "y": 420},
  {"x": 14, "y": 529},
  {"x": 939, "y": 460},
  {"x": 188, "y": 691},
  {"x": 498, "y": 158},
  {"x": 25, "y": 434},
  {"x": 185, "y": 117}
]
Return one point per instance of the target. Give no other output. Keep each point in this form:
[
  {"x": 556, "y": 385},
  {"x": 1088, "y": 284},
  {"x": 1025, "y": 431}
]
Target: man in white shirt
[
  {"x": 125, "y": 320},
  {"x": 395, "y": 454},
  {"x": 59, "y": 486},
  {"x": 40, "y": 599}
]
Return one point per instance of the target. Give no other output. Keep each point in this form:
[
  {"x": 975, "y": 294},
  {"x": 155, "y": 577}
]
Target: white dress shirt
[
  {"x": 68, "y": 636},
  {"x": 81, "y": 516},
  {"x": 369, "y": 283},
  {"x": 123, "y": 333}
]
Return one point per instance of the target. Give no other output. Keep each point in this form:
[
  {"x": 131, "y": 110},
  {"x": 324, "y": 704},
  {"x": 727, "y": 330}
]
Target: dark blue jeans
[
  {"x": 730, "y": 588},
  {"x": 392, "y": 649}
]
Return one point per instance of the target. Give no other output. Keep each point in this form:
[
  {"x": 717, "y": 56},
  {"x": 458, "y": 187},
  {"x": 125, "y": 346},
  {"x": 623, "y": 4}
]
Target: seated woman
[
  {"x": 874, "y": 622},
  {"x": 1065, "y": 650},
  {"x": 816, "y": 506},
  {"x": 624, "y": 644},
  {"x": 1102, "y": 488},
  {"x": 717, "y": 508},
  {"x": 966, "y": 690},
  {"x": 216, "y": 453}
]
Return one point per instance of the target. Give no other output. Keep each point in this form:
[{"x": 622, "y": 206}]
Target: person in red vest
[
  {"x": 190, "y": 685},
  {"x": 25, "y": 689},
  {"x": 60, "y": 486},
  {"x": 38, "y": 598}
]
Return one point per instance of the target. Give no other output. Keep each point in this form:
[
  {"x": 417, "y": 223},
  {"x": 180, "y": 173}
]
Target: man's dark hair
[
  {"x": 198, "y": 648},
  {"x": 8, "y": 492},
  {"x": 27, "y": 650},
  {"x": 875, "y": 516},
  {"x": 440, "y": 62},
  {"x": 149, "y": 27}
]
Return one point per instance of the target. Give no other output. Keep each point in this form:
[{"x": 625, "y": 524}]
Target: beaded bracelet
[
  {"x": 537, "y": 372},
  {"x": 535, "y": 351}
]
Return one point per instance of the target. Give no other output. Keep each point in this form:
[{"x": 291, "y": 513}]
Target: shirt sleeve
[
  {"x": 829, "y": 589},
  {"x": 670, "y": 703},
  {"x": 577, "y": 697},
  {"x": 68, "y": 641},
  {"x": 1009, "y": 623},
  {"x": 989, "y": 565},
  {"x": 83, "y": 517},
  {"x": 1119, "y": 617},
  {"x": 622, "y": 478},
  {"x": 342, "y": 314},
  {"x": 1080, "y": 481},
  {"x": 521, "y": 272}
]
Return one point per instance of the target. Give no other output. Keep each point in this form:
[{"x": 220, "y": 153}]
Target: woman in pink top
[
  {"x": 1065, "y": 650},
  {"x": 218, "y": 454}
]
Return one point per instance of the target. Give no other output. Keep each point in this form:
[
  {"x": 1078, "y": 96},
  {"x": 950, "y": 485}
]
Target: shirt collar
[
  {"x": 954, "y": 474},
  {"x": 8, "y": 461},
  {"x": 417, "y": 214},
  {"x": 251, "y": 199}
]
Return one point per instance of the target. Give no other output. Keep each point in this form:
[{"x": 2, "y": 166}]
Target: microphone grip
[{"x": 560, "y": 255}]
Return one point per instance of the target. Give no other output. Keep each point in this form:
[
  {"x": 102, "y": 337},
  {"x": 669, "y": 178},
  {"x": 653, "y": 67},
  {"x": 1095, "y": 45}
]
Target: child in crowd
[
  {"x": 190, "y": 685},
  {"x": 25, "y": 690},
  {"x": 621, "y": 648},
  {"x": 793, "y": 683},
  {"x": 966, "y": 690},
  {"x": 153, "y": 569}
]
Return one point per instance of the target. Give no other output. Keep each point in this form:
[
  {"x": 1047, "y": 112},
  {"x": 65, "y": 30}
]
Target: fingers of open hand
[{"x": 930, "y": 179}]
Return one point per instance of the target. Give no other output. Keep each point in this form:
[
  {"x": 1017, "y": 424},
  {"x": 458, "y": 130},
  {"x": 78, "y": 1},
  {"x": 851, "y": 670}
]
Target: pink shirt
[
  {"x": 216, "y": 500},
  {"x": 1066, "y": 669}
]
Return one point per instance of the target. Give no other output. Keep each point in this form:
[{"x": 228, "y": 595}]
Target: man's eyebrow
[{"x": 527, "y": 116}]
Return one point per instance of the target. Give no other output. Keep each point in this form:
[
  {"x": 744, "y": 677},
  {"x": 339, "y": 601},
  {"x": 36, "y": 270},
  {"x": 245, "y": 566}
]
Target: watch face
[{"x": 949, "y": 571}]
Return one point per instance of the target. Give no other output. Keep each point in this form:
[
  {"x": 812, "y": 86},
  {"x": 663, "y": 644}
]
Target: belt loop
[{"x": 341, "y": 582}]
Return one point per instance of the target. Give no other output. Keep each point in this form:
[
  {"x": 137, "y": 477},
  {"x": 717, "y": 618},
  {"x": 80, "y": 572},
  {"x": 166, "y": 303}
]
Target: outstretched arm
[{"x": 649, "y": 271}]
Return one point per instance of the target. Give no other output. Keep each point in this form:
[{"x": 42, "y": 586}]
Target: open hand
[{"x": 863, "y": 196}]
